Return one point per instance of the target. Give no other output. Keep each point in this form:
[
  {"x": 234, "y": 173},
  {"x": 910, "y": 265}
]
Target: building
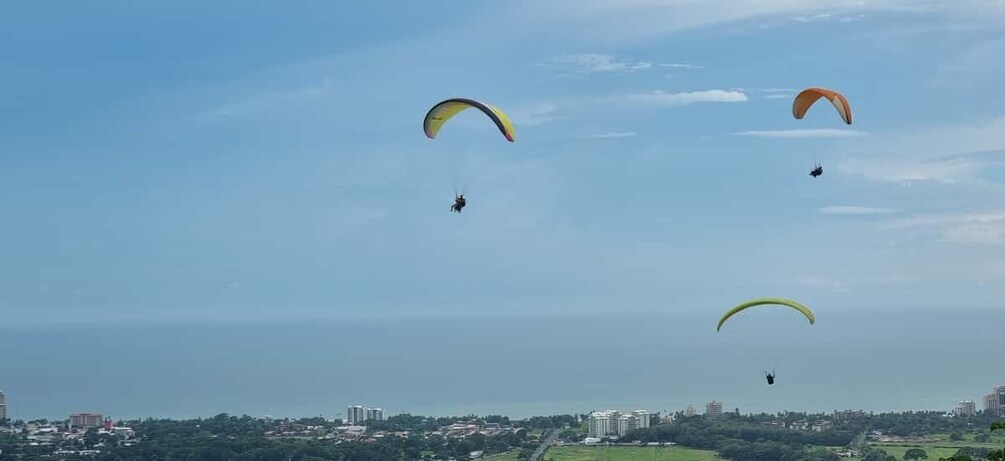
[
  {"x": 374, "y": 414},
  {"x": 355, "y": 415},
  {"x": 3, "y": 406},
  {"x": 627, "y": 423},
  {"x": 848, "y": 414},
  {"x": 691, "y": 411},
  {"x": 86, "y": 420},
  {"x": 713, "y": 409},
  {"x": 995, "y": 401},
  {"x": 602, "y": 424},
  {"x": 965, "y": 408},
  {"x": 1000, "y": 392},
  {"x": 643, "y": 418}
]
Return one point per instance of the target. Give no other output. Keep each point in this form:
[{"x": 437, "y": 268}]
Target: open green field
[
  {"x": 628, "y": 454},
  {"x": 933, "y": 451},
  {"x": 508, "y": 456}
]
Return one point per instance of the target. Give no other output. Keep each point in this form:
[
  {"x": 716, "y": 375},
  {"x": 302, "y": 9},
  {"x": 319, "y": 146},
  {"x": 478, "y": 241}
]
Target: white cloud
[
  {"x": 846, "y": 282},
  {"x": 856, "y": 210},
  {"x": 982, "y": 227},
  {"x": 681, "y": 66},
  {"x": 805, "y": 133},
  {"x": 981, "y": 64},
  {"x": 813, "y": 18},
  {"x": 594, "y": 63},
  {"x": 270, "y": 100},
  {"x": 614, "y": 20},
  {"x": 534, "y": 115},
  {"x": 660, "y": 97},
  {"x": 771, "y": 93},
  {"x": 907, "y": 171},
  {"x": 823, "y": 283},
  {"x": 853, "y": 18},
  {"x": 617, "y": 134},
  {"x": 922, "y": 155}
]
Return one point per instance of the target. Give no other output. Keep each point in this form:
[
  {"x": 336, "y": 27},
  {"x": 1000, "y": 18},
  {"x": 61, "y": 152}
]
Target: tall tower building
[
  {"x": 603, "y": 424},
  {"x": 642, "y": 416},
  {"x": 1000, "y": 392},
  {"x": 3, "y": 406},
  {"x": 990, "y": 402},
  {"x": 966, "y": 408},
  {"x": 713, "y": 409},
  {"x": 374, "y": 414},
  {"x": 691, "y": 411},
  {"x": 355, "y": 415}
]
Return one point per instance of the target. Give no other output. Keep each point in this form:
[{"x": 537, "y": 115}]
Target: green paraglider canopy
[{"x": 763, "y": 301}]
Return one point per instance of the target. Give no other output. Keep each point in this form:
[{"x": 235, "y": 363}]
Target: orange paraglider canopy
[{"x": 807, "y": 97}]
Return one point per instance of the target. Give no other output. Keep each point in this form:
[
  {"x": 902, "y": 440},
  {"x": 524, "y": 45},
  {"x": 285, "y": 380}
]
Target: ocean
[{"x": 513, "y": 365}]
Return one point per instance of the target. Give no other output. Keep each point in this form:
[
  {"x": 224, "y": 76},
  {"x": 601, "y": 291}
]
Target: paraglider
[
  {"x": 817, "y": 170},
  {"x": 770, "y": 377},
  {"x": 446, "y": 109},
  {"x": 459, "y": 203},
  {"x": 764, "y": 301},
  {"x": 807, "y": 97}
]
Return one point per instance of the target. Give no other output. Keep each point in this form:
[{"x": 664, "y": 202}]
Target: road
[{"x": 548, "y": 441}]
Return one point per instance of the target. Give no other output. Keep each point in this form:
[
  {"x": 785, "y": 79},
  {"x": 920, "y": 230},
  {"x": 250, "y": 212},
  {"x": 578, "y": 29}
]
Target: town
[{"x": 472, "y": 437}]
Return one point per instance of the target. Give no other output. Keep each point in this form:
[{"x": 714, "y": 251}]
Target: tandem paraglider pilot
[{"x": 459, "y": 204}]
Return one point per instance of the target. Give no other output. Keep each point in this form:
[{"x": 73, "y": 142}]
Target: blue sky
[{"x": 256, "y": 160}]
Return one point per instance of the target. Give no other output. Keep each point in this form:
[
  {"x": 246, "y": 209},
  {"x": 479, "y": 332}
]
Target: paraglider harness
[
  {"x": 459, "y": 204},
  {"x": 817, "y": 170},
  {"x": 770, "y": 377}
]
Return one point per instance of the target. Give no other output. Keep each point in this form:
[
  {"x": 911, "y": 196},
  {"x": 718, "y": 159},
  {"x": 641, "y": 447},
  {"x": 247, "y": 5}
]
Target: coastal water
[{"x": 513, "y": 365}]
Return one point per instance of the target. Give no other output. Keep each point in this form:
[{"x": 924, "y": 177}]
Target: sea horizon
[{"x": 513, "y": 365}]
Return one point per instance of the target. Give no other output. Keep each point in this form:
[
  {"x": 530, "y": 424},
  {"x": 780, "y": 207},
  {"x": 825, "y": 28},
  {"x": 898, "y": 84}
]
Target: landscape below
[{"x": 789, "y": 436}]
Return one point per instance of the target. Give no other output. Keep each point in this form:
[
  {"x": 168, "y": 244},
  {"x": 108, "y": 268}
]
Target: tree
[
  {"x": 956, "y": 436},
  {"x": 915, "y": 453},
  {"x": 983, "y": 437},
  {"x": 876, "y": 454}
]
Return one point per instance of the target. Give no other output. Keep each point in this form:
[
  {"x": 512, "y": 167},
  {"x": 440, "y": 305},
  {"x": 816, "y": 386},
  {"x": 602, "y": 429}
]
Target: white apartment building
[
  {"x": 965, "y": 408},
  {"x": 355, "y": 415},
  {"x": 374, "y": 414},
  {"x": 613, "y": 423}
]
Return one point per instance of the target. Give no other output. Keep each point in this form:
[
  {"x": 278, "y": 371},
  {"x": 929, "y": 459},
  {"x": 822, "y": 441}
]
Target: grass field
[
  {"x": 934, "y": 452},
  {"x": 628, "y": 454},
  {"x": 508, "y": 456}
]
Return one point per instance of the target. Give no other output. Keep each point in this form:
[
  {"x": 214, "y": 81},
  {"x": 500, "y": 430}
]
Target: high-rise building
[
  {"x": 965, "y": 408},
  {"x": 86, "y": 420},
  {"x": 691, "y": 411},
  {"x": 995, "y": 401},
  {"x": 3, "y": 406},
  {"x": 602, "y": 424},
  {"x": 374, "y": 414},
  {"x": 643, "y": 418},
  {"x": 713, "y": 409},
  {"x": 990, "y": 402},
  {"x": 627, "y": 423},
  {"x": 355, "y": 415},
  {"x": 1000, "y": 392}
]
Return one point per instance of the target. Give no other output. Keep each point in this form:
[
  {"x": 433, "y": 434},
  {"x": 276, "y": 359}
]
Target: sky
[{"x": 247, "y": 160}]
